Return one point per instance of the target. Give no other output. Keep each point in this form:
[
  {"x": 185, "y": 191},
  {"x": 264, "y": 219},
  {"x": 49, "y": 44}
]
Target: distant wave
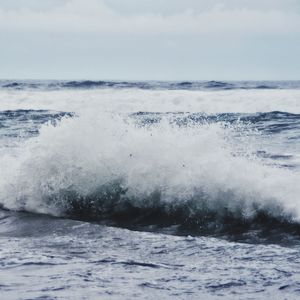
[
  {"x": 164, "y": 85},
  {"x": 84, "y": 84},
  {"x": 220, "y": 85}
]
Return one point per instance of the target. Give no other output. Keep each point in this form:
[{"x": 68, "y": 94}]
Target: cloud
[{"x": 99, "y": 17}]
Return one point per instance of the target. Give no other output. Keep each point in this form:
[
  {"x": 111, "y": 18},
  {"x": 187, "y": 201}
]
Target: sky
[{"x": 150, "y": 39}]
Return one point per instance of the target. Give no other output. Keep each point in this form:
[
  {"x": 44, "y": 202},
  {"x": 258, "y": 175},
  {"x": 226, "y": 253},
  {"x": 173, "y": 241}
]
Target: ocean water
[{"x": 144, "y": 190}]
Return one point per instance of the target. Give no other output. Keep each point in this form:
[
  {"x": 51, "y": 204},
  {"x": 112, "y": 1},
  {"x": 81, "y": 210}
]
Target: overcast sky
[{"x": 150, "y": 39}]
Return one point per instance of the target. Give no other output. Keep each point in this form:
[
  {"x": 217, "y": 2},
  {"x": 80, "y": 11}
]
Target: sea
[{"x": 149, "y": 189}]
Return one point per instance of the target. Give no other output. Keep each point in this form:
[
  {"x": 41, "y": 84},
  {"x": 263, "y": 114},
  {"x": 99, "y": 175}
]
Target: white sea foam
[{"x": 133, "y": 100}]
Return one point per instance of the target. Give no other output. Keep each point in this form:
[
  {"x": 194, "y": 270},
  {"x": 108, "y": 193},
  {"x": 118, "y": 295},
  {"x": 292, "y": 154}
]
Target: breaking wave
[{"x": 108, "y": 167}]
